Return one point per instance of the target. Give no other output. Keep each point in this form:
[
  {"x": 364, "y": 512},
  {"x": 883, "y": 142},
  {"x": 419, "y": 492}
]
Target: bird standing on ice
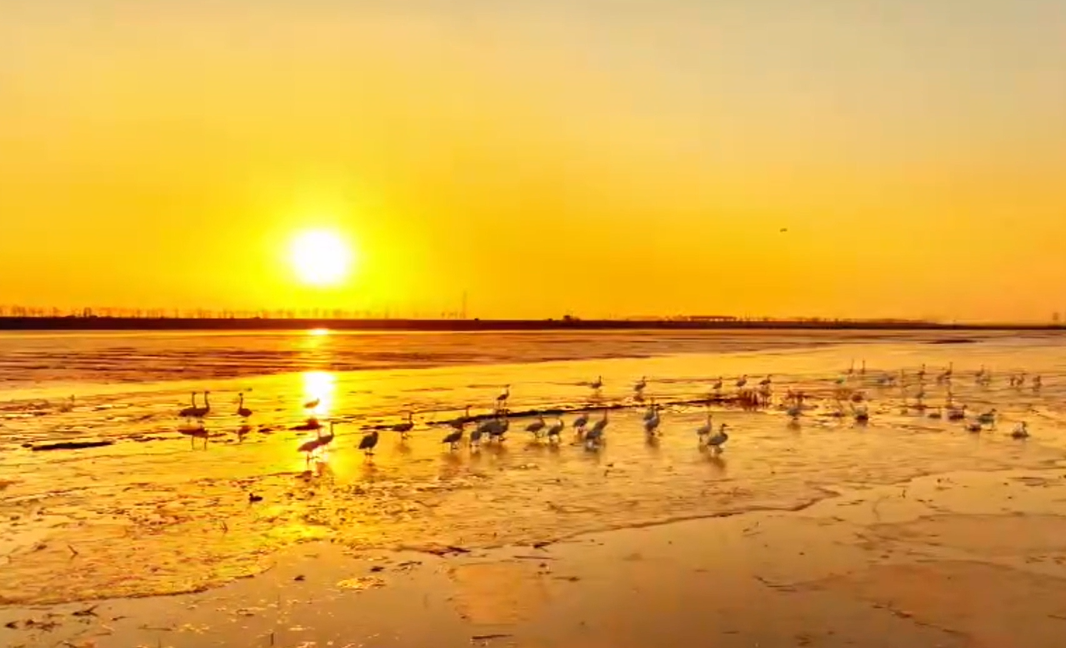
[
  {"x": 460, "y": 422},
  {"x": 555, "y": 430},
  {"x": 475, "y": 438},
  {"x": 639, "y": 387},
  {"x": 704, "y": 431},
  {"x": 405, "y": 428},
  {"x": 494, "y": 428},
  {"x": 652, "y": 409},
  {"x": 242, "y": 411},
  {"x": 594, "y": 437},
  {"x": 946, "y": 375},
  {"x": 202, "y": 412},
  {"x": 579, "y": 424},
  {"x": 501, "y": 400},
  {"x": 190, "y": 411},
  {"x": 309, "y": 447},
  {"x": 453, "y": 439},
  {"x": 1021, "y": 431},
  {"x": 326, "y": 439},
  {"x": 651, "y": 425},
  {"x": 718, "y": 440},
  {"x": 537, "y": 426},
  {"x": 498, "y": 427},
  {"x": 367, "y": 444}
]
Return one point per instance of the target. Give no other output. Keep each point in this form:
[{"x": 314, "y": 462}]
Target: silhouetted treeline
[{"x": 397, "y": 324}]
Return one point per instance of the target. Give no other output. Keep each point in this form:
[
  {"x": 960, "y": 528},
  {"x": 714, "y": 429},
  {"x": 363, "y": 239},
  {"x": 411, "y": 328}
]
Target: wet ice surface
[{"x": 149, "y": 514}]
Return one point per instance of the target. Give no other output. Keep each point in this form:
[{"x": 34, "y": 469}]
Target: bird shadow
[
  {"x": 714, "y": 459},
  {"x": 496, "y": 448}
]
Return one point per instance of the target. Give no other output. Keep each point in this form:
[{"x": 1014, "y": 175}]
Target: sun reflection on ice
[{"x": 319, "y": 387}]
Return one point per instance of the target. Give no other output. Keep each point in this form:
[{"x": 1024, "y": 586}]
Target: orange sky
[{"x": 601, "y": 158}]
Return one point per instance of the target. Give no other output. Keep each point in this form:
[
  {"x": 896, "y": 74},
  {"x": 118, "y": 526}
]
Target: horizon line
[{"x": 134, "y": 323}]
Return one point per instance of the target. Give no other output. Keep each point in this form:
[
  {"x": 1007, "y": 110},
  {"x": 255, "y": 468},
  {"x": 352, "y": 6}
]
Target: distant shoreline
[{"x": 455, "y": 325}]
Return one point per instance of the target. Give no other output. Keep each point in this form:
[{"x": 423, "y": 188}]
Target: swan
[
  {"x": 243, "y": 411},
  {"x": 201, "y": 412},
  {"x": 190, "y": 411},
  {"x": 405, "y": 427}
]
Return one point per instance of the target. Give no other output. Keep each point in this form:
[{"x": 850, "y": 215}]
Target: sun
[{"x": 321, "y": 258}]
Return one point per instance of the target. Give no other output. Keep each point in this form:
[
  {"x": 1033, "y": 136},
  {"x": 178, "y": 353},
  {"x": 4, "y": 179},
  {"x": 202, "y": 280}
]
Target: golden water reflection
[{"x": 319, "y": 388}]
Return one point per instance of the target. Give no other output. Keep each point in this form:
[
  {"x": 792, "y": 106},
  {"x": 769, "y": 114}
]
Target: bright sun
[{"x": 321, "y": 258}]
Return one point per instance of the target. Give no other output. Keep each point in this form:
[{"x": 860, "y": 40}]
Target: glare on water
[{"x": 149, "y": 514}]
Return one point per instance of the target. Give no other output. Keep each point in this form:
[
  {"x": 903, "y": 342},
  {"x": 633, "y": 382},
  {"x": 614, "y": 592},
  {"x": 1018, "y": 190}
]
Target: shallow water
[{"x": 151, "y": 513}]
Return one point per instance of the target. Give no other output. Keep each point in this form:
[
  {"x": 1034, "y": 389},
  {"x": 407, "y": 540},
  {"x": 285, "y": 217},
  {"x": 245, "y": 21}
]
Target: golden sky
[{"x": 623, "y": 157}]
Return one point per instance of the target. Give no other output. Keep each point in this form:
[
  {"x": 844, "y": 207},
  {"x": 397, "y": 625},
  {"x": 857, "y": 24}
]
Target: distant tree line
[
  {"x": 347, "y": 314},
  {"x": 206, "y": 313}
]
